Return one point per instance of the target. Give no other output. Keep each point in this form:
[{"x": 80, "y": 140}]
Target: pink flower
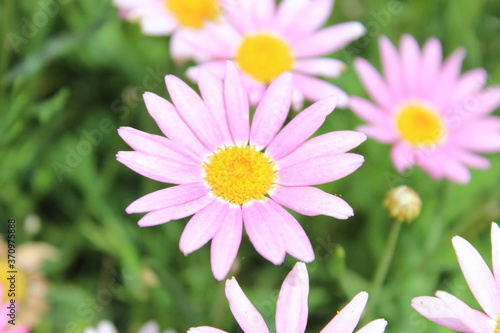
[
  {"x": 449, "y": 311},
  {"x": 105, "y": 326},
  {"x": 266, "y": 40},
  {"x": 433, "y": 116},
  {"x": 169, "y": 17},
  {"x": 224, "y": 177},
  {"x": 291, "y": 309},
  {"x": 5, "y": 311}
]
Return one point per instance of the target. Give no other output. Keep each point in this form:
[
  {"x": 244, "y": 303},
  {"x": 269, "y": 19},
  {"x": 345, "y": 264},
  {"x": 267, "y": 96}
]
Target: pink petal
[
  {"x": 203, "y": 226},
  {"x": 347, "y": 319},
  {"x": 291, "y": 308},
  {"x": 234, "y": 8},
  {"x": 432, "y": 55},
  {"x": 312, "y": 17},
  {"x": 470, "y": 159},
  {"x": 160, "y": 24},
  {"x": 167, "y": 197},
  {"x": 446, "y": 81},
  {"x": 326, "y": 67},
  {"x": 205, "y": 329},
  {"x": 181, "y": 49},
  {"x": 383, "y": 134},
  {"x": 495, "y": 251},
  {"x": 267, "y": 242},
  {"x": 475, "y": 320},
  {"x": 263, "y": 14},
  {"x": 369, "y": 112},
  {"x": 226, "y": 243},
  {"x": 328, "y": 40},
  {"x": 410, "y": 58},
  {"x": 212, "y": 91},
  {"x": 218, "y": 68},
  {"x": 297, "y": 243},
  {"x": 237, "y": 108},
  {"x": 157, "y": 145},
  {"x": 243, "y": 311},
  {"x": 160, "y": 168},
  {"x": 392, "y": 67},
  {"x": 436, "y": 310},
  {"x": 211, "y": 41},
  {"x": 175, "y": 212},
  {"x": 320, "y": 170},
  {"x": 172, "y": 125},
  {"x": 374, "y": 84},
  {"x": 315, "y": 89},
  {"x": 402, "y": 156},
  {"x": 478, "y": 276},
  {"x": 312, "y": 201},
  {"x": 288, "y": 12},
  {"x": 300, "y": 128},
  {"x": 470, "y": 83},
  {"x": 327, "y": 144},
  {"x": 376, "y": 326},
  {"x": 272, "y": 111},
  {"x": 481, "y": 136},
  {"x": 194, "y": 112},
  {"x": 455, "y": 170}
]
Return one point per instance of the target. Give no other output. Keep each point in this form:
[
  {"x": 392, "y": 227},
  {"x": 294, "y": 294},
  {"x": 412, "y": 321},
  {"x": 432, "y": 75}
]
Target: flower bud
[{"x": 403, "y": 204}]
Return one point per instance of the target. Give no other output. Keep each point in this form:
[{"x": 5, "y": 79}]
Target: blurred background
[{"x": 71, "y": 73}]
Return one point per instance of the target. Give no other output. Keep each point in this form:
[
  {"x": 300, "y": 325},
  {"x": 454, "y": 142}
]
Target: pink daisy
[
  {"x": 433, "y": 116},
  {"x": 169, "y": 17},
  {"x": 5, "y": 316},
  {"x": 266, "y": 40},
  {"x": 449, "y": 311},
  {"x": 291, "y": 309},
  {"x": 224, "y": 177}
]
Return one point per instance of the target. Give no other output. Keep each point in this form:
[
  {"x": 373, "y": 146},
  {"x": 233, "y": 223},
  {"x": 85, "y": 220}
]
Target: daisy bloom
[
  {"x": 449, "y": 311},
  {"x": 168, "y": 17},
  {"x": 5, "y": 311},
  {"x": 226, "y": 179},
  {"x": 433, "y": 116},
  {"x": 266, "y": 40},
  {"x": 107, "y": 327},
  {"x": 292, "y": 309}
]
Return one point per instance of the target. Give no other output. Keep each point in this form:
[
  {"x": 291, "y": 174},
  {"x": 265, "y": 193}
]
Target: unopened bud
[{"x": 403, "y": 204}]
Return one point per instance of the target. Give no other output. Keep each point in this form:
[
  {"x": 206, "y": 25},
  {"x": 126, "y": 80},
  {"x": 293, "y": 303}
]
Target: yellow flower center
[
  {"x": 264, "y": 56},
  {"x": 14, "y": 284},
  {"x": 239, "y": 174},
  {"x": 193, "y": 13},
  {"x": 419, "y": 124}
]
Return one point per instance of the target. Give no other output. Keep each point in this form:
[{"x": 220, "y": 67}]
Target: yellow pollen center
[
  {"x": 419, "y": 124},
  {"x": 193, "y": 13},
  {"x": 264, "y": 56},
  {"x": 13, "y": 288},
  {"x": 239, "y": 174}
]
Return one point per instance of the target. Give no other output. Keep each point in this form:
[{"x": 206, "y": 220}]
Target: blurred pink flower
[
  {"x": 266, "y": 40},
  {"x": 292, "y": 309},
  {"x": 225, "y": 178},
  {"x": 449, "y": 311},
  {"x": 106, "y": 326},
  {"x": 168, "y": 17},
  {"x": 5, "y": 311},
  {"x": 433, "y": 116}
]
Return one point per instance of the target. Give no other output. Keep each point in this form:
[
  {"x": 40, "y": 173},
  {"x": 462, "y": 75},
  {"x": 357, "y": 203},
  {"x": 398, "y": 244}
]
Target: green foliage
[{"x": 70, "y": 80}]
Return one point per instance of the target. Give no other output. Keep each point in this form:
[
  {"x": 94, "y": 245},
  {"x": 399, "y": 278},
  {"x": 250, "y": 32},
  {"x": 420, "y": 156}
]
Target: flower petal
[
  {"x": 267, "y": 242},
  {"x": 381, "y": 133},
  {"x": 432, "y": 54},
  {"x": 160, "y": 168},
  {"x": 347, "y": 319},
  {"x": 272, "y": 111},
  {"x": 226, "y": 243},
  {"x": 315, "y": 89},
  {"x": 447, "y": 79},
  {"x": 165, "y": 215},
  {"x": 311, "y": 201},
  {"x": 205, "y": 329},
  {"x": 391, "y": 66},
  {"x": 211, "y": 89},
  {"x": 312, "y": 17},
  {"x": 376, "y": 326},
  {"x": 327, "y": 144},
  {"x": 319, "y": 170},
  {"x": 288, "y": 12},
  {"x": 194, "y": 112},
  {"x": 470, "y": 83},
  {"x": 328, "y": 40},
  {"x": 172, "y": 125},
  {"x": 326, "y": 67},
  {"x": 291, "y": 308},
  {"x": 167, "y": 197},
  {"x": 368, "y": 111},
  {"x": 402, "y": 156},
  {"x": 478, "y": 276},
  {"x": 495, "y": 251},
  {"x": 237, "y": 108},
  {"x": 300, "y": 128},
  {"x": 297, "y": 244},
  {"x": 243, "y": 311},
  {"x": 376, "y": 87},
  {"x": 203, "y": 226},
  {"x": 436, "y": 310},
  {"x": 157, "y": 145},
  {"x": 410, "y": 58}
]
